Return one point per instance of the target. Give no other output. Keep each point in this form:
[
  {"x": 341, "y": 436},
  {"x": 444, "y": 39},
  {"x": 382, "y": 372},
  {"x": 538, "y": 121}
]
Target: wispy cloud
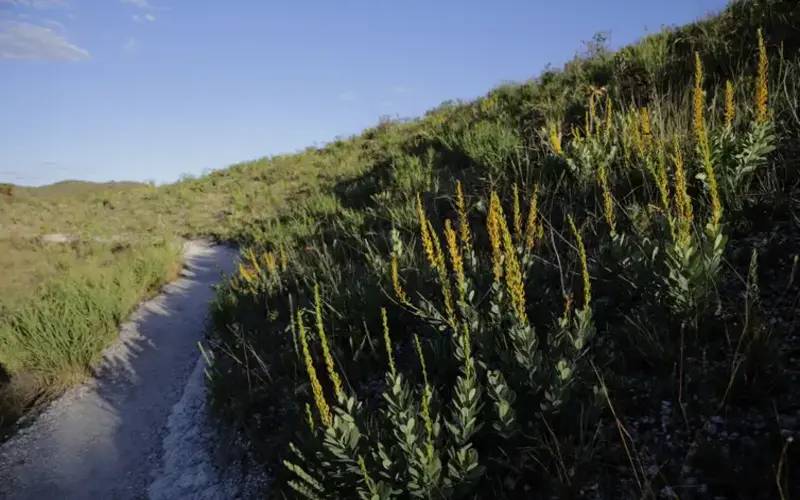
[
  {"x": 144, "y": 18},
  {"x": 52, "y": 23},
  {"x": 348, "y": 96},
  {"x": 34, "y": 4},
  {"x": 146, "y": 9},
  {"x": 23, "y": 40}
]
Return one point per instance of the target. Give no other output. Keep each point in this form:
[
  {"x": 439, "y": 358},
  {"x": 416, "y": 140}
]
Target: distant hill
[{"x": 72, "y": 188}]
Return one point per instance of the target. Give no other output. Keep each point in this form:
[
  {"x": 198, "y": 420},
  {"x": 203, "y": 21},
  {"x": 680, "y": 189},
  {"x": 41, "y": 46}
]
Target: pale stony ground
[{"x": 140, "y": 426}]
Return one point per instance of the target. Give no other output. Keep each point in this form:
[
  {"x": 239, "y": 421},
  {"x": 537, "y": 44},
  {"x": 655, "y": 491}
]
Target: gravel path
[{"x": 139, "y": 427}]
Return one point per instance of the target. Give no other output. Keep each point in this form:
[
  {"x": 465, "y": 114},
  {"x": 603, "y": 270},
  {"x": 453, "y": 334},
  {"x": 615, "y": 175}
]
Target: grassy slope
[
  {"x": 351, "y": 194},
  {"x": 697, "y": 373},
  {"x": 123, "y": 244}
]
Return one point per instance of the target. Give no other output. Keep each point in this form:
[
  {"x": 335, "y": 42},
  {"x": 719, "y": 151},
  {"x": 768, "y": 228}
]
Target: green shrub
[{"x": 488, "y": 144}]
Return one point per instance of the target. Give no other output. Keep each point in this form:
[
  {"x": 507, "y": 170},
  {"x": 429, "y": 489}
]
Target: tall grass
[{"x": 51, "y": 341}]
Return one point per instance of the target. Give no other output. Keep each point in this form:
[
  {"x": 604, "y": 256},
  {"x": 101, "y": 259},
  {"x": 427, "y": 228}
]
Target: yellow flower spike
[
  {"x": 368, "y": 481},
  {"x": 493, "y": 228},
  {"x": 319, "y": 397},
  {"x": 713, "y": 190},
  {"x": 762, "y": 89},
  {"x": 387, "y": 341},
  {"x": 626, "y": 137},
  {"x": 587, "y": 286},
  {"x": 567, "y": 307},
  {"x": 608, "y": 200},
  {"x": 463, "y": 221},
  {"x": 274, "y": 262},
  {"x": 309, "y": 418},
  {"x": 444, "y": 279},
  {"x": 268, "y": 259},
  {"x": 647, "y": 130},
  {"x": 576, "y": 135},
  {"x": 683, "y": 203},
  {"x": 426, "y": 416},
  {"x": 711, "y": 179},
  {"x": 456, "y": 259},
  {"x": 730, "y": 108},
  {"x": 425, "y": 234},
  {"x": 704, "y": 145},
  {"x": 592, "y": 113},
  {"x": 399, "y": 292},
  {"x": 469, "y": 365},
  {"x": 283, "y": 258},
  {"x": 437, "y": 248},
  {"x": 423, "y": 366},
  {"x": 662, "y": 182},
  {"x": 635, "y": 125},
  {"x": 587, "y": 124},
  {"x": 251, "y": 257},
  {"x": 246, "y": 274},
  {"x": 516, "y": 212},
  {"x": 698, "y": 103},
  {"x": 425, "y": 409},
  {"x": 532, "y": 225},
  {"x": 609, "y": 121},
  {"x": 513, "y": 274},
  {"x": 554, "y": 135},
  {"x": 326, "y": 350}
]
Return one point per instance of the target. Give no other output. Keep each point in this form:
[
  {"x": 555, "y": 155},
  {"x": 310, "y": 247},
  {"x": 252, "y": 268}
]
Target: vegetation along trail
[{"x": 112, "y": 436}]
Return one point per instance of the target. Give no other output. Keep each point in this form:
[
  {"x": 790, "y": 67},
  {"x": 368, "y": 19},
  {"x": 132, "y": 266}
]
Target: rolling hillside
[{"x": 579, "y": 286}]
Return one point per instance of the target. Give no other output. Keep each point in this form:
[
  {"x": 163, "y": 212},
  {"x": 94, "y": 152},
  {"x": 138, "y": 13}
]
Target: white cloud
[
  {"x": 23, "y": 40},
  {"x": 146, "y": 9},
  {"x": 53, "y": 24},
  {"x": 348, "y": 96},
  {"x": 142, "y": 18}
]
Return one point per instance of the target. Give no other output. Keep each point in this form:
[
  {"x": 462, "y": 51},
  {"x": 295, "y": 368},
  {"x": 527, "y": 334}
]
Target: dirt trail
[{"x": 138, "y": 427}]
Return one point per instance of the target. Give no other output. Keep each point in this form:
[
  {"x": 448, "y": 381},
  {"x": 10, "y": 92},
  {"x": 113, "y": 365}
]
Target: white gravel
[
  {"x": 188, "y": 469},
  {"x": 139, "y": 427}
]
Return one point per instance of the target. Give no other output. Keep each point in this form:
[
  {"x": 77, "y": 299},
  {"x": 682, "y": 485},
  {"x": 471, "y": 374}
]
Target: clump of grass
[{"x": 50, "y": 342}]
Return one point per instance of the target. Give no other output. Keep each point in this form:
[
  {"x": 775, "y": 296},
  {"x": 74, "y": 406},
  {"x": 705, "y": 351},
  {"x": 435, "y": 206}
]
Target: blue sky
[{"x": 151, "y": 89}]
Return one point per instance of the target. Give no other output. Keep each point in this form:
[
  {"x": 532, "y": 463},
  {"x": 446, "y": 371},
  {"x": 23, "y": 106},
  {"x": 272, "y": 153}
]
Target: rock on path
[{"x": 119, "y": 435}]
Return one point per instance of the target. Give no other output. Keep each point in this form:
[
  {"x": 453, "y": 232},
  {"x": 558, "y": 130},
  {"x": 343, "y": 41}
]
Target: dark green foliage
[{"x": 616, "y": 393}]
